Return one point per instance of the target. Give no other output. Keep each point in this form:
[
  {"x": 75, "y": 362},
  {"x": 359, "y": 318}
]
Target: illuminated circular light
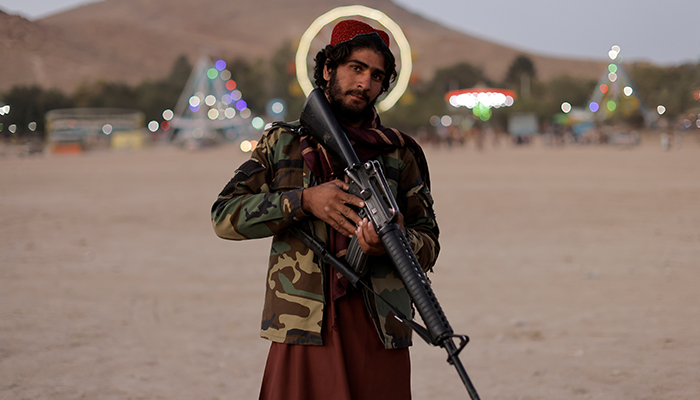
[
  {"x": 697, "y": 123},
  {"x": 616, "y": 48},
  {"x": 212, "y": 73},
  {"x": 604, "y": 88},
  {"x": 213, "y": 114},
  {"x": 225, "y": 75},
  {"x": 12, "y": 128},
  {"x": 106, "y": 129},
  {"x": 210, "y": 100},
  {"x": 168, "y": 114},
  {"x": 593, "y": 106},
  {"x": 257, "y": 123},
  {"x": 31, "y": 126},
  {"x": 254, "y": 143},
  {"x": 165, "y": 125},
  {"x": 220, "y": 65},
  {"x": 236, "y": 95},
  {"x": 277, "y": 107},
  {"x": 404, "y": 48},
  {"x": 194, "y": 108},
  {"x": 611, "y": 105},
  {"x": 446, "y": 120},
  {"x": 612, "y": 76},
  {"x": 230, "y": 85},
  {"x": 241, "y": 105},
  {"x": 612, "y": 68},
  {"x": 194, "y": 101},
  {"x": 434, "y": 120},
  {"x": 230, "y": 112},
  {"x": 566, "y": 107},
  {"x": 628, "y": 91},
  {"x": 246, "y": 146},
  {"x": 197, "y": 133},
  {"x": 153, "y": 126},
  {"x": 660, "y": 109},
  {"x": 612, "y": 54},
  {"x": 245, "y": 113},
  {"x": 471, "y": 98}
]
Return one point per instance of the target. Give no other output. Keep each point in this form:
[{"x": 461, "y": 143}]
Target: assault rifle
[{"x": 367, "y": 181}]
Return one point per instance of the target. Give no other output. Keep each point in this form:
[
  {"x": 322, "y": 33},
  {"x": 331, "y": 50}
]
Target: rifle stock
[{"x": 367, "y": 182}]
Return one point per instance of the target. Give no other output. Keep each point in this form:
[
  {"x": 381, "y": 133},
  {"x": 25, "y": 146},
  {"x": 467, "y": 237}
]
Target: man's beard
[{"x": 348, "y": 112}]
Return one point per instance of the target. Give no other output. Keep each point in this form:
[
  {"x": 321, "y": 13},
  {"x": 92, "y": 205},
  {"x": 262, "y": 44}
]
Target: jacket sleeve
[
  {"x": 262, "y": 198},
  {"x": 416, "y": 203}
]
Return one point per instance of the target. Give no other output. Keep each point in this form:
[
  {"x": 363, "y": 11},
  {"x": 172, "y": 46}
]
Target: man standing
[{"x": 329, "y": 339}]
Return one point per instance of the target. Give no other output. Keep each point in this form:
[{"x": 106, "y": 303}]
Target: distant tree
[
  {"x": 459, "y": 76},
  {"x": 252, "y": 80},
  {"x": 103, "y": 94},
  {"x": 521, "y": 75},
  {"x": 283, "y": 81},
  {"x": 153, "y": 97},
  {"x": 30, "y": 104},
  {"x": 671, "y": 87}
]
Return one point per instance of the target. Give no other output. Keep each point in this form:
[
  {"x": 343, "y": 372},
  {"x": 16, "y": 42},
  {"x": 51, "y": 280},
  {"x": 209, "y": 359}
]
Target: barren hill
[{"x": 133, "y": 40}]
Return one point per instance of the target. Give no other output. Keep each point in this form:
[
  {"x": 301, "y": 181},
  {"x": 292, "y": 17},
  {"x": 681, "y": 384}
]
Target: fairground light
[{"x": 481, "y": 100}]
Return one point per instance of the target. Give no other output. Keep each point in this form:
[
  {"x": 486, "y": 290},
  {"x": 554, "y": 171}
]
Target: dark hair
[{"x": 333, "y": 56}]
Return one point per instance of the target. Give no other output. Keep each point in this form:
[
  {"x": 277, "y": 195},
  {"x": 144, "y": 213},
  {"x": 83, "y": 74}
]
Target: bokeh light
[
  {"x": 153, "y": 126},
  {"x": 245, "y": 113},
  {"x": 593, "y": 106},
  {"x": 446, "y": 120},
  {"x": 212, "y": 73},
  {"x": 213, "y": 114},
  {"x": 168, "y": 114},
  {"x": 258, "y": 123},
  {"x": 230, "y": 112},
  {"x": 210, "y": 100},
  {"x": 32, "y": 126},
  {"x": 628, "y": 91},
  {"x": 230, "y": 85},
  {"x": 277, "y": 107},
  {"x": 611, "y": 105},
  {"x": 220, "y": 65},
  {"x": 604, "y": 88},
  {"x": 660, "y": 109},
  {"x": 194, "y": 101},
  {"x": 107, "y": 129},
  {"x": 566, "y": 107}
]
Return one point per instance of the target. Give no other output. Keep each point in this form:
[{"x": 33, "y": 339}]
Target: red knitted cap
[{"x": 348, "y": 29}]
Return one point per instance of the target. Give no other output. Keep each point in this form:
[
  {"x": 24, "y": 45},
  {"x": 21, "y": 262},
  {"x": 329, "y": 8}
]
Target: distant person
[{"x": 331, "y": 341}]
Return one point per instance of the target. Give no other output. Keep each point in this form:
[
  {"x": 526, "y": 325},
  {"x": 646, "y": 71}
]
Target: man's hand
[
  {"x": 369, "y": 240},
  {"x": 329, "y": 202}
]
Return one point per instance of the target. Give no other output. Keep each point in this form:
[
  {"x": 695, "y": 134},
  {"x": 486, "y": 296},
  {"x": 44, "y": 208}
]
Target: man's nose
[{"x": 364, "y": 80}]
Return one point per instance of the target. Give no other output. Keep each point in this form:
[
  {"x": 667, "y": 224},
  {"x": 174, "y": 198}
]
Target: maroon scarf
[{"x": 369, "y": 141}]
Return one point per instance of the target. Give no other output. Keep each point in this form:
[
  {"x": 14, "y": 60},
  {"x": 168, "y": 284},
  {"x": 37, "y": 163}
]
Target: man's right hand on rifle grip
[{"x": 330, "y": 203}]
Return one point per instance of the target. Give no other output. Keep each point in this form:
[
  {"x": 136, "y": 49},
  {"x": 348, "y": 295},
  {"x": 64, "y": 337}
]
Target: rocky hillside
[{"x": 133, "y": 40}]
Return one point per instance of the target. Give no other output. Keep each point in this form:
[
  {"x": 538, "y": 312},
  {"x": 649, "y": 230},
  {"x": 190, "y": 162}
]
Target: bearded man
[{"x": 329, "y": 339}]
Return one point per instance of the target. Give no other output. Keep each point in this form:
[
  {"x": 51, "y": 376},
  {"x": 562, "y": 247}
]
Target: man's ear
[{"x": 326, "y": 73}]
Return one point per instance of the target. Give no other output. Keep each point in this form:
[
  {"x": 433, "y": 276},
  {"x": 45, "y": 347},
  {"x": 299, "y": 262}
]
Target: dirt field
[{"x": 574, "y": 270}]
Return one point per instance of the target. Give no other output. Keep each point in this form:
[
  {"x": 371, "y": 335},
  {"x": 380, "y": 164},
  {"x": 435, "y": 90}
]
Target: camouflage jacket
[{"x": 264, "y": 197}]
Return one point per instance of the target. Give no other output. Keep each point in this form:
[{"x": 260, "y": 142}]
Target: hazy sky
[{"x": 661, "y": 31}]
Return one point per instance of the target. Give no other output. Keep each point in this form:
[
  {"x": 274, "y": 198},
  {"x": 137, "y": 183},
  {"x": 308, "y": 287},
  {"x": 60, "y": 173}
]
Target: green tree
[
  {"x": 521, "y": 75},
  {"x": 30, "y": 104}
]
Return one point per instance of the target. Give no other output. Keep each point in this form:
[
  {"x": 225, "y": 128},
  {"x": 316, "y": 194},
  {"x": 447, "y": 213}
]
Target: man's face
[{"x": 353, "y": 87}]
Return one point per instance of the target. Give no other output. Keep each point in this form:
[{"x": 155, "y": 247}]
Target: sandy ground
[{"x": 574, "y": 270}]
